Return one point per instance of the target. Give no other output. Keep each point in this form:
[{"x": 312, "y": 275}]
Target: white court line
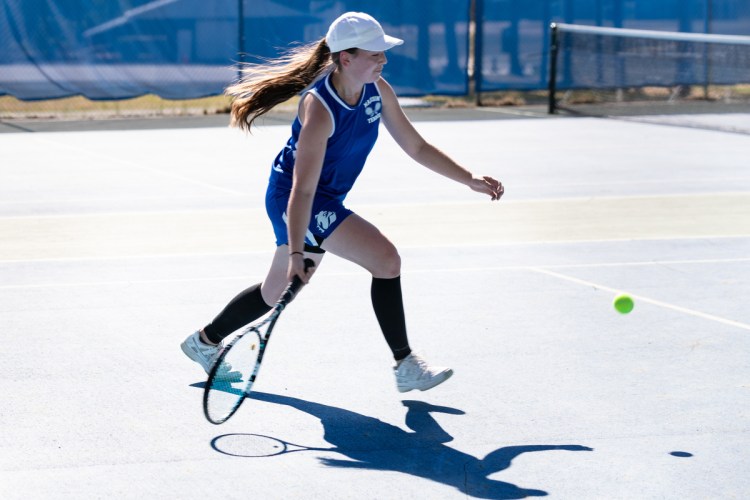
[
  {"x": 647, "y": 263},
  {"x": 479, "y": 269},
  {"x": 541, "y": 201},
  {"x": 123, "y": 198},
  {"x": 556, "y": 242},
  {"x": 190, "y": 255},
  {"x": 131, "y": 282},
  {"x": 641, "y": 298}
]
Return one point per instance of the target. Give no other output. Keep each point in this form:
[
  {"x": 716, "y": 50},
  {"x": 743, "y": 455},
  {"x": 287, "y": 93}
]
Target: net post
[
  {"x": 476, "y": 11},
  {"x": 240, "y": 36},
  {"x": 552, "y": 86}
]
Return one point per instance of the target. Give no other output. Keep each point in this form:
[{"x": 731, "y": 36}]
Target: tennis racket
[{"x": 236, "y": 368}]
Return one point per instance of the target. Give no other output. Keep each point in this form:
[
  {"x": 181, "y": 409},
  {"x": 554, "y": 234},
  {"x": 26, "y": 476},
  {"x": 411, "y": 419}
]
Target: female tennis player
[{"x": 344, "y": 99}]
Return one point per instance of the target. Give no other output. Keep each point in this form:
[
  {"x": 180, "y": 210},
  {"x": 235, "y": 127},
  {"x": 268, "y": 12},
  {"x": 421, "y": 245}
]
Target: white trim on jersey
[
  {"x": 377, "y": 87},
  {"x": 333, "y": 93},
  {"x": 319, "y": 97}
]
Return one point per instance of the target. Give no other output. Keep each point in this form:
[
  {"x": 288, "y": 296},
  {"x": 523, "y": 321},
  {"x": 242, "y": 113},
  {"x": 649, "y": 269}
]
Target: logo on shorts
[{"x": 324, "y": 220}]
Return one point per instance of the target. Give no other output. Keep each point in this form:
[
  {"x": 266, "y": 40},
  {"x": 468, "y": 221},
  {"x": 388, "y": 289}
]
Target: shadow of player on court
[{"x": 368, "y": 443}]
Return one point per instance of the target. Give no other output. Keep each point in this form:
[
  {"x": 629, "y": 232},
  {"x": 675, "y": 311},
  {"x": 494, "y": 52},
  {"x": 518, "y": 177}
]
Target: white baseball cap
[{"x": 359, "y": 30}]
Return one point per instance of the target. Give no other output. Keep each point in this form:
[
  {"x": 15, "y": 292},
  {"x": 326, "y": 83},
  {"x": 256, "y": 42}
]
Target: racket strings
[{"x": 226, "y": 389}]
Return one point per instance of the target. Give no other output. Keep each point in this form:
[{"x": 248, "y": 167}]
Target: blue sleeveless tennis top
[{"x": 355, "y": 130}]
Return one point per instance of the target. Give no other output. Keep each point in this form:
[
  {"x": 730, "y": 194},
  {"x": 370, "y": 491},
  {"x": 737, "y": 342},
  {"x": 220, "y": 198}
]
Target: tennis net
[{"x": 639, "y": 73}]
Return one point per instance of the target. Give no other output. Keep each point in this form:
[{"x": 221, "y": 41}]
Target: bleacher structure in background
[{"x": 180, "y": 49}]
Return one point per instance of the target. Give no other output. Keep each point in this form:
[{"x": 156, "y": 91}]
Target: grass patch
[{"x": 81, "y": 107}]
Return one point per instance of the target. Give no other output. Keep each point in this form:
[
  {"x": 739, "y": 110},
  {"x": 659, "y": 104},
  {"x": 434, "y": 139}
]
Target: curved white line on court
[{"x": 641, "y": 298}]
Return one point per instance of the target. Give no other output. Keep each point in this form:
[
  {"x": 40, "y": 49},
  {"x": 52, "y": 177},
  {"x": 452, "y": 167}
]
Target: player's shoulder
[
  {"x": 313, "y": 112},
  {"x": 386, "y": 91},
  {"x": 383, "y": 85}
]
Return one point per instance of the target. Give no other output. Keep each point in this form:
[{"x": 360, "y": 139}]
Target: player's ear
[{"x": 346, "y": 56}]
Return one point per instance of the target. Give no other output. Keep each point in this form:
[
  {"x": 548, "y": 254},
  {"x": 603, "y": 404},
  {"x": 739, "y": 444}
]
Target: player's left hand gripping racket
[{"x": 236, "y": 368}]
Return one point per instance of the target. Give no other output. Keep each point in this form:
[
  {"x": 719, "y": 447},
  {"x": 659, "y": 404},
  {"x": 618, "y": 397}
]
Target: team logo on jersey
[
  {"x": 372, "y": 108},
  {"x": 324, "y": 220}
]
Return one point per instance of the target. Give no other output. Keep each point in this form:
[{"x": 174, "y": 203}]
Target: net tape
[{"x": 652, "y": 34}]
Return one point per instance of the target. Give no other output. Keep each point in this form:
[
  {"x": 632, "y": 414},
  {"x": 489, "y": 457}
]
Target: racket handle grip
[{"x": 295, "y": 285}]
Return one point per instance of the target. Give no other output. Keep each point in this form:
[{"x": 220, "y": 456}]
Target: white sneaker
[
  {"x": 202, "y": 353},
  {"x": 413, "y": 373}
]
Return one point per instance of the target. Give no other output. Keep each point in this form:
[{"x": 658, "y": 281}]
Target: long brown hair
[{"x": 263, "y": 86}]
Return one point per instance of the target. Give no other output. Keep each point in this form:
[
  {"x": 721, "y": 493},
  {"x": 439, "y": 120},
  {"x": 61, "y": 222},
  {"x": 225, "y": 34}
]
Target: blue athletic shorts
[{"x": 327, "y": 214}]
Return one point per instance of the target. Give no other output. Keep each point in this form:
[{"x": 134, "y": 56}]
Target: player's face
[{"x": 367, "y": 65}]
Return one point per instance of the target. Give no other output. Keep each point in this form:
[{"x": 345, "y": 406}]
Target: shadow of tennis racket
[{"x": 258, "y": 446}]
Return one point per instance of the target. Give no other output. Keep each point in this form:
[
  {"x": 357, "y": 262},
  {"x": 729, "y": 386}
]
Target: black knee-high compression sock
[
  {"x": 247, "y": 306},
  {"x": 389, "y": 309}
]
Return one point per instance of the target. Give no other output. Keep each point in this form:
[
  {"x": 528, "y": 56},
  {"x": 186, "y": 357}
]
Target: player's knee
[{"x": 389, "y": 265}]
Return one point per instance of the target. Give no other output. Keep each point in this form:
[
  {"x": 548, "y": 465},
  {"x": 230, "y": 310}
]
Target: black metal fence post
[
  {"x": 552, "y": 69},
  {"x": 240, "y": 36}
]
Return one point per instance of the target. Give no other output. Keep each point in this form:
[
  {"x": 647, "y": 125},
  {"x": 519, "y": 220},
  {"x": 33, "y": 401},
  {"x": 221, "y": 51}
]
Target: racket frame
[{"x": 270, "y": 320}]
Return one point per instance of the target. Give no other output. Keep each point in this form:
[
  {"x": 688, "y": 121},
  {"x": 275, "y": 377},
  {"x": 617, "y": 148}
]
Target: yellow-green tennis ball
[{"x": 623, "y": 303}]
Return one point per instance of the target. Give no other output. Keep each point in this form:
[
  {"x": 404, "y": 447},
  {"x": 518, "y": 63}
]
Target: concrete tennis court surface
[{"x": 116, "y": 244}]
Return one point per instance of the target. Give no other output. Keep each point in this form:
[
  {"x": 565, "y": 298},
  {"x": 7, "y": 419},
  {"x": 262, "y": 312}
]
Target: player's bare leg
[
  {"x": 361, "y": 242},
  {"x": 276, "y": 279}
]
